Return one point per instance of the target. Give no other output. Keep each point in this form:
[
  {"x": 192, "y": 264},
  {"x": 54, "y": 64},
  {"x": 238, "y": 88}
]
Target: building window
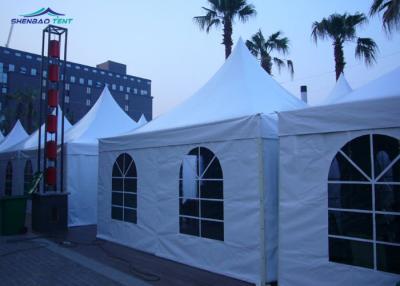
[
  {"x": 149, "y": 82},
  {"x": 18, "y": 54},
  {"x": 364, "y": 204},
  {"x": 68, "y": 65},
  {"x": 113, "y": 86},
  {"x": 110, "y": 74},
  {"x": 85, "y": 69},
  {"x": 81, "y": 80},
  {"x": 128, "y": 89},
  {"x": 138, "y": 80},
  {"x": 77, "y": 67},
  {"x": 118, "y": 76},
  {"x": 67, "y": 86},
  {"x": 44, "y": 74},
  {"x": 124, "y": 189},
  {"x": 11, "y": 67},
  {"x": 44, "y": 82},
  {"x": 88, "y": 90},
  {"x": 29, "y": 57},
  {"x": 8, "y": 181},
  {"x": 87, "y": 102},
  {"x": 22, "y": 70},
  {"x": 126, "y": 108},
  {"x": 125, "y": 77},
  {"x": 6, "y": 52},
  {"x": 66, "y": 99},
  {"x": 33, "y": 72},
  {"x": 1, "y": 67},
  {"x": 143, "y": 92},
  {"x": 126, "y": 96},
  {"x": 201, "y": 200},
  {"x": 102, "y": 72},
  {"x": 135, "y": 90},
  {"x": 90, "y": 82},
  {"x": 94, "y": 71},
  {"x": 3, "y": 90},
  {"x": 72, "y": 79},
  {"x": 39, "y": 59},
  {"x": 132, "y": 79},
  {"x": 121, "y": 88},
  {"x": 3, "y": 77},
  {"x": 98, "y": 84},
  {"x": 28, "y": 176}
]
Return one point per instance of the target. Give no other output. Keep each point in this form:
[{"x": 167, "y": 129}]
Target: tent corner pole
[{"x": 261, "y": 166}]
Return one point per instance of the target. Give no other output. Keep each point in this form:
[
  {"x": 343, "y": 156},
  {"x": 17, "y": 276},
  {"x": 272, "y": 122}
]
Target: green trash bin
[{"x": 12, "y": 214}]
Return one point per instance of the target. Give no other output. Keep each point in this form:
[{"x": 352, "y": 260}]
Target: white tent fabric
[
  {"x": 16, "y": 135},
  {"x": 341, "y": 89},
  {"x": 104, "y": 119},
  {"x": 233, "y": 116},
  {"x": 385, "y": 86},
  {"x": 309, "y": 141}
]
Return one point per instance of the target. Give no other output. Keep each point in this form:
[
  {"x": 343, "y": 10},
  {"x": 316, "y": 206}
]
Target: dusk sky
[{"x": 158, "y": 40}]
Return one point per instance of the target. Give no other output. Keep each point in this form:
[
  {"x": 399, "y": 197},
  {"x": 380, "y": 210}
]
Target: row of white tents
[
  {"x": 104, "y": 119},
  {"x": 259, "y": 159}
]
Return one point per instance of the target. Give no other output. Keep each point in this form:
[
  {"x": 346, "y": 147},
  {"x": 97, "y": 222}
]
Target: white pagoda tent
[
  {"x": 224, "y": 137},
  {"x": 339, "y": 92}
]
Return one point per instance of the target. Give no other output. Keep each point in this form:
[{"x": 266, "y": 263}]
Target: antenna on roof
[{"x": 9, "y": 35}]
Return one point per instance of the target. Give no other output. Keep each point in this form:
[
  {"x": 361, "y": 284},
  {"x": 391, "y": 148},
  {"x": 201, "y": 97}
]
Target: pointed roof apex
[
  {"x": 142, "y": 120},
  {"x": 341, "y": 89},
  {"x": 16, "y": 135}
]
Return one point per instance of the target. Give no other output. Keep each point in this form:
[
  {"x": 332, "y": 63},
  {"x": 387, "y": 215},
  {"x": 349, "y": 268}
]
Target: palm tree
[
  {"x": 391, "y": 13},
  {"x": 224, "y": 12},
  {"x": 262, "y": 50},
  {"x": 342, "y": 29}
]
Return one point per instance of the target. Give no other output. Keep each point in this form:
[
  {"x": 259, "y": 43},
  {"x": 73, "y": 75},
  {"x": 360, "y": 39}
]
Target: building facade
[{"x": 20, "y": 83}]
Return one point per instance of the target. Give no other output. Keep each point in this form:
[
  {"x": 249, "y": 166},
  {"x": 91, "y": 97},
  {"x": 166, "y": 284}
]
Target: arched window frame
[
  {"x": 364, "y": 203},
  {"x": 201, "y": 195},
  {"x": 8, "y": 179},
  {"x": 124, "y": 189}
]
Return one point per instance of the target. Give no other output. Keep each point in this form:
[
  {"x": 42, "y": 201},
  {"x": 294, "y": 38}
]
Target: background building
[{"x": 20, "y": 88}]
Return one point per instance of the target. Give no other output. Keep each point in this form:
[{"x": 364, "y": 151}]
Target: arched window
[
  {"x": 201, "y": 197},
  {"x": 9, "y": 175},
  {"x": 364, "y": 204},
  {"x": 28, "y": 176},
  {"x": 124, "y": 189}
]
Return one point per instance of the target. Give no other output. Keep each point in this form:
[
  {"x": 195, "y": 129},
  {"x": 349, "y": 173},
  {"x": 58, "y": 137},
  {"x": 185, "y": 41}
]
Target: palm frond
[
  {"x": 278, "y": 43},
  {"x": 290, "y": 66},
  {"x": 279, "y": 63},
  {"x": 366, "y": 49},
  {"x": 246, "y": 12},
  {"x": 320, "y": 30},
  {"x": 377, "y": 6},
  {"x": 252, "y": 48},
  {"x": 208, "y": 20},
  {"x": 391, "y": 13}
]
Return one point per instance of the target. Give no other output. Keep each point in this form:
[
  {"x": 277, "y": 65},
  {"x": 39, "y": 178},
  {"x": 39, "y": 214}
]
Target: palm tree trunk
[
  {"x": 227, "y": 37},
  {"x": 339, "y": 58},
  {"x": 266, "y": 65}
]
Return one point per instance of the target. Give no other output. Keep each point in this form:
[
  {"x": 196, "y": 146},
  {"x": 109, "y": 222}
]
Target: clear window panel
[
  {"x": 116, "y": 171},
  {"x": 189, "y": 207},
  {"x": 116, "y": 213},
  {"x": 130, "y": 215},
  {"x": 358, "y": 150},
  {"x": 130, "y": 185},
  {"x": 350, "y": 224},
  {"x": 117, "y": 199},
  {"x": 388, "y": 258},
  {"x": 386, "y": 149},
  {"x": 342, "y": 170},
  {"x": 351, "y": 252},
  {"x": 131, "y": 172},
  {"x": 211, "y": 189},
  {"x": 117, "y": 184},
  {"x": 387, "y": 198},
  {"x": 189, "y": 226},
  {"x": 392, "y": 174},
  {"x": 120, "y": 162},
  {"x": 212, "y": 229},
  {"x": 388, "y": 228},
  {"x": 212, "y": 209},
  {"x": 214, "y": 171},
  {"x": 130, "y": 200},
  {"x": 350, "y": 196}
]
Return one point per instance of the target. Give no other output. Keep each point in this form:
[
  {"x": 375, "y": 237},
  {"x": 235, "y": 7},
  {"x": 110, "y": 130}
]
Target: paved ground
[
  {"x": 33, "y": 259},
  {"x": 42, "y": 262}
]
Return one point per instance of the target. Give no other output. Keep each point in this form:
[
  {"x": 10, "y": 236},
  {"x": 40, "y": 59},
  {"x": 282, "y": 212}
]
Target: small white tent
[
  {"x": 341, "y": 89},
  {"x": 16, "y": 135},
  {"x": 198, "y": 185},
  {"x": 339, "y": 214},
  {"x": 104, "y": 119}
]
